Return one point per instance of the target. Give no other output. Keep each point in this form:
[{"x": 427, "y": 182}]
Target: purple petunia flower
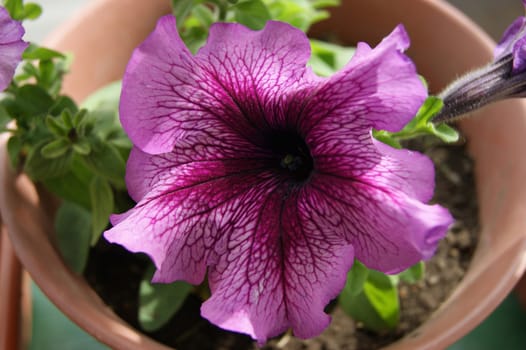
[
  {"x": 513, "y": 42},
  {"x": 249, "y": 168},
  {"x": 11, "y": 47},
  {"x": 503, "y": 78}
]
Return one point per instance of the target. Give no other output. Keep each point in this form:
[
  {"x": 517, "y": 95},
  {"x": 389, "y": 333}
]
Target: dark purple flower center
[{"x": 291, "y": 153}]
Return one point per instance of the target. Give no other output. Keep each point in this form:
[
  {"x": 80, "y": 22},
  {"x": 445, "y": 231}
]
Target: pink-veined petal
[
  {"x": 379, "y": 87},
  {"x": 11, "y": 47},
  {"x": 389, "y": 230},
  {"x": 171, "y": 94}
]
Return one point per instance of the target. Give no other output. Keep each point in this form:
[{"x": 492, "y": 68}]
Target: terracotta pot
[
  {"x": 10, "y": 272},
  {"x": 14, "y": 298},
  {"x": 444, "y": 44}
]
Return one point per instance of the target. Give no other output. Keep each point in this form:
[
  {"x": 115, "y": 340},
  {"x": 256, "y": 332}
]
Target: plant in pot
[{"x": 175, "y": 107}]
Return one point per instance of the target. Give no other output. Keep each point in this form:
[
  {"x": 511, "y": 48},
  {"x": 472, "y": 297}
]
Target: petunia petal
[
  {"x": 349, "y": 152},
  {"x": 519, "y": 53},
  {"x": 509, "y": 37},
  {"x": 157, "y": 90},
  {"x": 174, "y": 223},
  {"x": 169, "y": 95},
  {"x": 277, "y": 274},
  {"x": 379, "y": 86},
  {"x": 389, "y": 230},
  {"x": 11, "y": 47},
  {"x": 259, "y": 68},
  {"x": 144, "y": 171}
]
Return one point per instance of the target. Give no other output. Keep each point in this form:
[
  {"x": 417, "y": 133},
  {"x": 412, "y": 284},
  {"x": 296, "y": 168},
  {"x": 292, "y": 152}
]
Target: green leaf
[
  {"x": 377, "y": 306},
  {"x": 14, "y": 147},
  {"x": 387, "y": 137},
  {"x": 252, "y": 13},
  {"x": 204, "y": 15},
  {"x": 320, "y": 67},
  {"x": 106, "y": 97},
  {"x": 181, "y": 9},
  {"x": 106, "y": 161},
  {"x": 56, "y": 148},
  {"x": 82, "y": 147},
  {"x": 103, "y": 113},
  {"x": 159, "y": 302},
  {"x": 102, "y": 206},
  {"x": 421, "y": 125},
  {"x": 72, "y": 185},
  {"x": 32, "y": 11},
  {"x": 30, "y": 101},
  {"x": 431, "y": 106},
  {"x": 35, "y": 52},
  {"x": 15, "y": 9},
  {"x": 446, "y": 133},
  {"x": 56, "y": 126},
  {"x": 63, "y": 103},
  {"x": 5, "y": 118},
  {"x": 67, "y": 119},
  {"x": 72, "y": 226},
  {"x": 40, "y": 168},
  {"x": 334, "y": 56},
  {"x": 299, "y": 13},
  {"x": 356, "y": 278},
  {"x": 413, "y": 274}
]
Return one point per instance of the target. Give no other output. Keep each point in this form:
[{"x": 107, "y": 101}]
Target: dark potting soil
[{"x": 115, "y": 274}]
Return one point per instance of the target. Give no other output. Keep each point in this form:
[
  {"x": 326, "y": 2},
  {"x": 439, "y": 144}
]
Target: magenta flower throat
[{"x": 250, "y": 169}]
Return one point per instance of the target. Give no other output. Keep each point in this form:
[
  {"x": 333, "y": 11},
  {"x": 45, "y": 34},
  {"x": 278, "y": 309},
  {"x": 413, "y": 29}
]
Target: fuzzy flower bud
[{"x": 504, "y": 78}]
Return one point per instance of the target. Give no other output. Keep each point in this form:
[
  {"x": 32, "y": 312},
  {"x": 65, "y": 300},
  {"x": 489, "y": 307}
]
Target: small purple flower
[
  {"x": 503, "y": 78},
  {"x": 11, "y": 47},
  {"x": 513, "y": 42},
  {"x": 249, "y": 168}
]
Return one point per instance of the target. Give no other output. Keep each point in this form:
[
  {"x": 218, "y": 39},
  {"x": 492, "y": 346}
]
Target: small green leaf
[
  {"x": 105, "y": 160},
  {"x": 82, "y": 147},
  {"x": 30, "y": 101},
  {"x": 387, "y": 138},
  {"x": 32, "y": 11},
  {"x": 5, "y": 118},
  {"x": 72, "y": 185},
  {"x": 19, "y": 11},
  {"x": 413, "y": 274},
  {"x": 56, "y": 126},
  {"x": 41, "y": 168},
  {"x": 14, "y": 147},
  {"x": 252, "y": 13},
  {"x": 299, "y": 13},
  {"x": 67, "y": 119},
  {"x": 102, "y": 206},
  {"x": 181, "y": 9},
  {"x": 446, "y": 133},
  {"x": 159, "y": 302},
  {"x": 72, "y": 226},
  {"x": 335, "y": 56},
  {"x": 35, "y": 52},
  {"x": 421, "y": 125},
  {"x": 356, "y": 278},
  {"x": 204, "y": 15},
  {"x": 62, "y": 103},
  {"x": 15, "y": 9},
  {"x": 105, "y": 97},
  {"x": 377, "y": 306},
  {"x": 55, "y": 148},
  {"x": 431, "y": 106}
]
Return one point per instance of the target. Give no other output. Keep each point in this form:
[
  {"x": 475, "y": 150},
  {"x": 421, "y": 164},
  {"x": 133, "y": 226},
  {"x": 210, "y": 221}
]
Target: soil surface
[{"x": 115, "y": 274}]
